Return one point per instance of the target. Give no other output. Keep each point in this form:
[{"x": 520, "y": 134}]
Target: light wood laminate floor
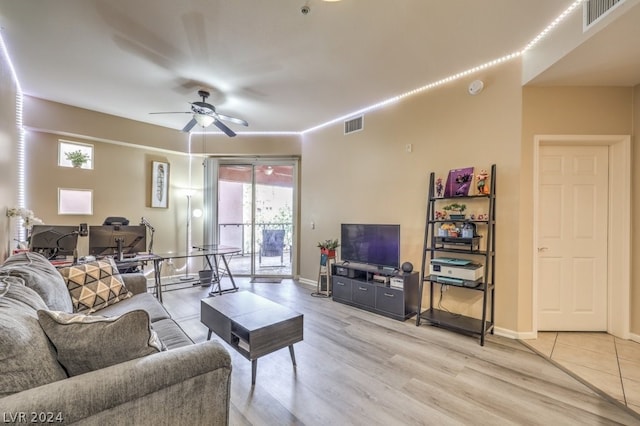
[{"x": 359, "y": 368}]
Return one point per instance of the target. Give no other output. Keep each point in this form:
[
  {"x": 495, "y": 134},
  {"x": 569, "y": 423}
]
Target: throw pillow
[
  {"x": 94, "y": 285},
  {"x": 90, "y": 342},
  {"x": 42, "y": 277},
  {"x": 27, "y": 358}
]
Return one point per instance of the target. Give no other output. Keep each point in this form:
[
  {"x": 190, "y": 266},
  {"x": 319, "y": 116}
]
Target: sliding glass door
[{"x": 255, "y": 211}]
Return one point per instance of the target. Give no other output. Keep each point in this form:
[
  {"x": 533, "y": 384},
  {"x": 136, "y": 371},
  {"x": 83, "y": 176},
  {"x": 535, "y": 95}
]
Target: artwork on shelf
[
  {"x": 159, "y": 184},
  {"x": 459, "y": 182}
]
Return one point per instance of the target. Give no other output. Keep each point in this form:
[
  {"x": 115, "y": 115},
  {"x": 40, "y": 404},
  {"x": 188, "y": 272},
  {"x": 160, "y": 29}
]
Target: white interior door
[{"x": 572, "y": 238}]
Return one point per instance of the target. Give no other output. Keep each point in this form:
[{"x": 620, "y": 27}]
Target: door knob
[{"x": 541, "y": 249}]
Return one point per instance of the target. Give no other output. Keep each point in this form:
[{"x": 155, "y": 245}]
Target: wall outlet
[{"x": 408, "y": 147}]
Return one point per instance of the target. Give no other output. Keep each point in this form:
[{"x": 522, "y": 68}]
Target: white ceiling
[{"x": 264, "y": 61}]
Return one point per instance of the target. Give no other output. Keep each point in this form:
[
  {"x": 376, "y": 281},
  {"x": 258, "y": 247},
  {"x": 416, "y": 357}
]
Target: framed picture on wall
[{"x": 159, "y": 184}]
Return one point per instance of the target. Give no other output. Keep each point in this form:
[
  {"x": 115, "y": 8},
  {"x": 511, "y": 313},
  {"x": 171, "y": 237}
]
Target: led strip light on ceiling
[
  {"x": 453, "y": 77},
  {"x": 373, "y": 107}
]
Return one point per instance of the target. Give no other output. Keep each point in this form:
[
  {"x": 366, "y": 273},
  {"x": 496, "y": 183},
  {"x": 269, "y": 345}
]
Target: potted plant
[
  {"x": 328, "y": 247},
  {"x": 455, "y": 211},
  {"x": 77, "y": 157}
]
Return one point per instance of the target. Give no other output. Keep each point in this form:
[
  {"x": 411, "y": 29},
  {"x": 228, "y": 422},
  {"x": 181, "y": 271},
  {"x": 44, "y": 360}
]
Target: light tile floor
[{"x": 610, "y": 364}]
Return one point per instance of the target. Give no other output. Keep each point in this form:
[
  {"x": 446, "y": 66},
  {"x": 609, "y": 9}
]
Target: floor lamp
[{"x": 188, "y": 247}]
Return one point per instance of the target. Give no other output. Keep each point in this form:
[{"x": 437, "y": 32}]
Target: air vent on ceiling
[
  {"x": 594, "y": 9},
  {"x": 353, "y": 125}
]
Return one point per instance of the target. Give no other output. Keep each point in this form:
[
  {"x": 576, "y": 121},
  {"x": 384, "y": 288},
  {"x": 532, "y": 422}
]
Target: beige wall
[
  {"x": 8, "y": 157},
  {"x": 120, "y": 181},
  {"x": 562, "y": 111},
  {"x": 369, "y": 177},
  {"x": 635, "y": 208},
  {"x": 121, "y": 177},
  {"x": 363, "y": 177}
]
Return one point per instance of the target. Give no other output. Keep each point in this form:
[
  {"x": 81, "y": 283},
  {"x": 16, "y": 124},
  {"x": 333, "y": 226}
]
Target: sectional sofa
[{"x": 69, "y": 354}]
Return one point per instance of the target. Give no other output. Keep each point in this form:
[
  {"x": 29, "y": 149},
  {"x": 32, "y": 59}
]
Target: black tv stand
[{"x": 381, "y": 290}]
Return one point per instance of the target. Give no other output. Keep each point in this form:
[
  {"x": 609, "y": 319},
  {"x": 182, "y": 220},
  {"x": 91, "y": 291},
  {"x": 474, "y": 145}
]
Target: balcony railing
[{"x": 239, "y": 235}]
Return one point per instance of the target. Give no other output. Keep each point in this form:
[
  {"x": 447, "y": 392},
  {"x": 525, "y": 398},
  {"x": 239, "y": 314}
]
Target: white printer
[{"x": 461, "y": 269}]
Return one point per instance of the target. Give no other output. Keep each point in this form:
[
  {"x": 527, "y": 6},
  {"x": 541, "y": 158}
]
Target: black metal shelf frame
[{"x": 469, "y": 246}]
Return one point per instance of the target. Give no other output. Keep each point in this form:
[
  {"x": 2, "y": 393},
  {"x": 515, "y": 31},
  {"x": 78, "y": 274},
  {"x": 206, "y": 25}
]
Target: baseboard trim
[
  {"x": 529, "y": 335},
  {"x": 517, "y": 335},
  {"x": 308, "y": 282}
]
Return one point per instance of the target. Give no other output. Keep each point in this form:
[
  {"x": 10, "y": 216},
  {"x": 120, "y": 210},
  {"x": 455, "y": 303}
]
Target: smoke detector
[{"x": 476, "y": 87}]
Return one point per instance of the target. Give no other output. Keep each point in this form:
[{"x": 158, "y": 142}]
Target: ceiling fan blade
[
  {"x": 190, "y": 125},
  {"x": 232, "y": 119},
  {"x": 224, "y": 128},
  {"x": 172, "y": 112}
]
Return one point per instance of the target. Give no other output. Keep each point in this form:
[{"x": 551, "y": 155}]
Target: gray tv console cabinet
[{"x": 354, "y": 284}]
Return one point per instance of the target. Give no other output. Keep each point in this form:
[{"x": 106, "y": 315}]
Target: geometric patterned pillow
[{"x": 94, "y": 285}]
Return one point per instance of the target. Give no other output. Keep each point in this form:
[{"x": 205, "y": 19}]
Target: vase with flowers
[{"x": 28, "y": 220}]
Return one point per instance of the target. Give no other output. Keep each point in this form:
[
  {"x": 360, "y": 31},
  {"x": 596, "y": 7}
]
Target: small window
[
  {"x": 75, "y": 154},
  {"x": 75, "y": 201}
]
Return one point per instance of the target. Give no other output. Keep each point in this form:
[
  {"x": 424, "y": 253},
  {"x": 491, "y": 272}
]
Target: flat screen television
[
  {"x": 371, "y": 244},
  {"x": 103, "y": 240},
  {"x": 54, "y": 241}
]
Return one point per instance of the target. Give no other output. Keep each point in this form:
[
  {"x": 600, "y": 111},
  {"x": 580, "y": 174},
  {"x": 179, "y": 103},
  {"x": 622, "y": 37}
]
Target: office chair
[{"x": 115, "y": 220}]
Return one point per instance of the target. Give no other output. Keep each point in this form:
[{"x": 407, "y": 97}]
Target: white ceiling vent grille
[
  {"x": 354, "y": 125},
  {"x": 595, "y": 9}
]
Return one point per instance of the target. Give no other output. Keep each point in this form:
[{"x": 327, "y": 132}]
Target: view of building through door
[
  {"x": 572, "y": 238},
  {"x": 255, "y": 213}
]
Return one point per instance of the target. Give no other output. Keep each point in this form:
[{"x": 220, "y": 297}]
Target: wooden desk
[{"x": 252, "y": 325}]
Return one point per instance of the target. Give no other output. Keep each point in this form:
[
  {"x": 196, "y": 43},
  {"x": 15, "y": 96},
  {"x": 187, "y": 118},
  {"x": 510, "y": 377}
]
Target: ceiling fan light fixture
[{"x": 203, "y": 120}]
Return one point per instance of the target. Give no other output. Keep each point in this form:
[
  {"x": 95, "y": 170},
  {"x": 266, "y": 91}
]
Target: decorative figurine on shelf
[
  {"x": 440, "y": 215},
  {"x": 439, "y": 187},
  {"x": 481, "y": 179}
]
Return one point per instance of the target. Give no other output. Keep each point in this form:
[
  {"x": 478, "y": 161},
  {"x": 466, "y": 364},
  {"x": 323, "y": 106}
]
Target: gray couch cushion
[
  {"x": 171, "y": 334},
  {"x": 41, "y": 276},
  {"x": 90, "y": 342},
  {"x": 145, "y": 301},
  {"x": 135, "y": 282},
  {"x": 27, "y": 359}
]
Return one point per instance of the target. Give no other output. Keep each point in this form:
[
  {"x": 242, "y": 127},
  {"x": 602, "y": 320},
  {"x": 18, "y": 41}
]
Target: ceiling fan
[{"x": 205, "y": 114}]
